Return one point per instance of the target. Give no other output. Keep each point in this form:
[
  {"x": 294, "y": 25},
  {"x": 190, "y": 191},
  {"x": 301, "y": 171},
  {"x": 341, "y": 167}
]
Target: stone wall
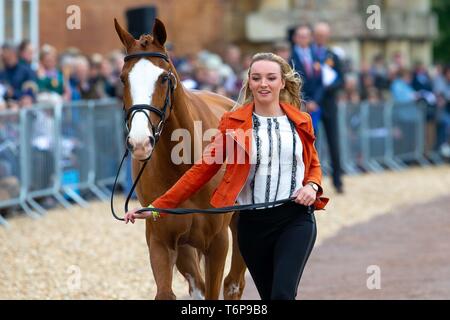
[
  {"x": 406, "y": 26},
  {"x": 191, "y": 25}
]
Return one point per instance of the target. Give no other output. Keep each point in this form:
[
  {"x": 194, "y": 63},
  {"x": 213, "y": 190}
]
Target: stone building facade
[
  {"x": 191, "y": 24},
  {"x": 407, "y": 27}
]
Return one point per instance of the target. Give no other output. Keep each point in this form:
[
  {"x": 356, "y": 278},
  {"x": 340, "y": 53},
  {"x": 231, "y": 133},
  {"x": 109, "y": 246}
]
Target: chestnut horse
[{"x": 152, "y": 93}]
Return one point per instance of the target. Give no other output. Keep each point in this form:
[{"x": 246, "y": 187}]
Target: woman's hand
[
  {"x": 132, "y": 215},
  {"x": 305, "y": 196}
]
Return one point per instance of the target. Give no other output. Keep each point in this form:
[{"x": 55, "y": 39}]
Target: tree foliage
[{"x": 441, "y": 47}]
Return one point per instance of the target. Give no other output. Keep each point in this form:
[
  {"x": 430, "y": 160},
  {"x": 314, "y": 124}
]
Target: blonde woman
[{"x": 282, "y": 162}]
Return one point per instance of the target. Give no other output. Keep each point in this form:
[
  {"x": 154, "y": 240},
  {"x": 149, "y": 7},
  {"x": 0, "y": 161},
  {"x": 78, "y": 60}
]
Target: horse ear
[
  {"x": 159, "y": 32},
  {"x": 126, "y": 38}
]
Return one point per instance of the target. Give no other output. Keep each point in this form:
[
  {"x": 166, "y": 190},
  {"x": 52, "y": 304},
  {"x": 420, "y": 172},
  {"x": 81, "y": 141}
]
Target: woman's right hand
[{"x": 132, "y": 215}]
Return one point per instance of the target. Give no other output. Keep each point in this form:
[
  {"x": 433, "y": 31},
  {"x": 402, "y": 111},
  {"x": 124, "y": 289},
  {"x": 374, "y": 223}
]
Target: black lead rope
[
  {"x": 222, "y": 209},
  {"x": 185, "y": 210}
]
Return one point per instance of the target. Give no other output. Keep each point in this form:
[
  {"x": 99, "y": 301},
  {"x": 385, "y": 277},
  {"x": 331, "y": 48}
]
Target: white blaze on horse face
[{"x": 142, "y": 79}]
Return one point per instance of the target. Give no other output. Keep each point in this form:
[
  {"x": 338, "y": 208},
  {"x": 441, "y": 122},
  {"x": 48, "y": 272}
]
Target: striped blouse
[{"x": 277, "y": 168}]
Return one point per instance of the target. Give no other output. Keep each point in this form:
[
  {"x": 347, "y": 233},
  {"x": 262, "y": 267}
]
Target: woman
[
  {"x": 50, "y": 77},
  {"x": 275, "y": 242}
]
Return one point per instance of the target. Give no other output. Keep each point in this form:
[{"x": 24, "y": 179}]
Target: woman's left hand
[{"x": 305, "y": 196}]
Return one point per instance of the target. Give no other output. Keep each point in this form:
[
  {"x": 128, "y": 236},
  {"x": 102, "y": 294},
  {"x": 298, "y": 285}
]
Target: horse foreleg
[
  {"x": 188, "y": 265},
  {"x": 234, "y": 283},
  {"x": 162, "y": 260},
  {"x": 215, "y": 257}
]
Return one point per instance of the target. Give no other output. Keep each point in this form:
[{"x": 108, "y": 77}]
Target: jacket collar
[{"x": 245, "y": 114}]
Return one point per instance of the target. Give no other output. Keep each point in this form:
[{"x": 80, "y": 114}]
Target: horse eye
[{"x": 164, "y": 78}]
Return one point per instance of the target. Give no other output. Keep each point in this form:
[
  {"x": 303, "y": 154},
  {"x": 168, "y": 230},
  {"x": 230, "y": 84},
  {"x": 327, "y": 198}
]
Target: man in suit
[
  {"x": 328, "y": 99},
  {"x": 307, "y": 65}
]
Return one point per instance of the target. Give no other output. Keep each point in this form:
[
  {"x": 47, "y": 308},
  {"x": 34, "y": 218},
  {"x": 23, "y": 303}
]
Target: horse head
[{"x": 149, "y": 80}]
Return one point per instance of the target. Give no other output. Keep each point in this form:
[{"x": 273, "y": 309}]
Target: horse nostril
[
  {"x": 152, "y": 141},
  {"x": 129, "y": 145}
]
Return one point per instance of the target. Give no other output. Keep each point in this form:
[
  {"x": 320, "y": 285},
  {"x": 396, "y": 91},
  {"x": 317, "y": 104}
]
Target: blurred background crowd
[{"x": 72, "y": 75}]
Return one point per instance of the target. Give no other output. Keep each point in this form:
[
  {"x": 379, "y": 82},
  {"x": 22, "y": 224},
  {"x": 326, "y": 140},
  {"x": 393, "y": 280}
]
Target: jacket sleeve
[
  {"x": 199, "y": 174},
  {"x": 315, "y": 171}
]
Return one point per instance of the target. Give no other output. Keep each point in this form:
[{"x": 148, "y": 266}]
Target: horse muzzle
[{"x": 141, "y": 150}]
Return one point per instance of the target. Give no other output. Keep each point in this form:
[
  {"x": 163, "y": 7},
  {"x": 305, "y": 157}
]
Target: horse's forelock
[{"x": 145, "y": 39}]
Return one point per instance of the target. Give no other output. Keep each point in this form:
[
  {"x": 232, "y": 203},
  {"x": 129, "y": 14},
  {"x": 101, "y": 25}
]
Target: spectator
[
  {"x": 232, "y": 57},
  {"x": 116, "y": 61},
  {"x": 82, "y": 85},
  {"x": 100, "y": 77},
  {"x": 15, "y": 75},
  {"x": 379, "y": 73},
  {"x": 401, "y": 88},
  {"x": 50, "y": 77},
  {"x": 366, "y": 82},
  {"x": 442, "y": 89},
  {"x": 423, "y": 85},
  {"x": 2, "y": 96},
  {"x": 351, "y": 94},
  {"x": 282, "y": 49},
  {"x": 26, "y": 54},
  {"x": 328, "y": 98},
  {"x": 308, "y": 66},
  {"x": 177, "y": 62}
]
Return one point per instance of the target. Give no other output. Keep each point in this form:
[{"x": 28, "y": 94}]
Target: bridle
[
  {"x": 134, "y": 109},
  {"x": 171, "y": 80}
]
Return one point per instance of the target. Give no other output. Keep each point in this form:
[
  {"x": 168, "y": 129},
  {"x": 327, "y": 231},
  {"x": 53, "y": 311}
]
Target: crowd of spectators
[
  {"x": 70, "y": 74},
  {"x": 393, "y": 81}
]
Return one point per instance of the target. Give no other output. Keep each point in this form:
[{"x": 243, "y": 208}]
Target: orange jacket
[{"x": 236, "y": 172}]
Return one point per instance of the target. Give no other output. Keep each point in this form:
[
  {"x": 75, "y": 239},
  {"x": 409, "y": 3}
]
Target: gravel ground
[{"x": 86, "y": 254}]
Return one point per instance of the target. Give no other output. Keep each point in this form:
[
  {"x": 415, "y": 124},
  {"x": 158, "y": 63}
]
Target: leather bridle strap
[
  {"x": 172, "y": 83},
  {"x": 146, "y": 55}
]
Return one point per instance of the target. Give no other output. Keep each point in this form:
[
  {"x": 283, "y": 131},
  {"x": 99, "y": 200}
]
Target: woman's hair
[{"x": 293, "y": 82}]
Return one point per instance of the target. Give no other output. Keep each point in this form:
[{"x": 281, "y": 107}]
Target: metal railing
[
  {"x": 64, "y": 152},
  {"x": 377, "y": 136}
]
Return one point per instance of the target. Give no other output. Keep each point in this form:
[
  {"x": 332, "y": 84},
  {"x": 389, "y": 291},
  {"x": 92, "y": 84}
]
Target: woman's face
[
  {"x": 49, "y": 61},
  {"x": 265, "y": 81}
]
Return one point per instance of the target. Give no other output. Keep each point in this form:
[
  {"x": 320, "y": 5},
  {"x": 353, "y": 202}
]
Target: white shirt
[{"x": 273, "y": 179}]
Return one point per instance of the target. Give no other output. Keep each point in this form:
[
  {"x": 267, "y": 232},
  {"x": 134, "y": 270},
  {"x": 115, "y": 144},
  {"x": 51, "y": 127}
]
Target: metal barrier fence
[
  {"x": 70, "y": 151},
  {"x": 377, "y": 136},
  {"x": 63, "y": 153}
]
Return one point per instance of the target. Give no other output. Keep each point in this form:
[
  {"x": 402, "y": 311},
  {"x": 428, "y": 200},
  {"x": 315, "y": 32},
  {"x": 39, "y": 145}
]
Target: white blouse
[{"x": 279, "y": 167}]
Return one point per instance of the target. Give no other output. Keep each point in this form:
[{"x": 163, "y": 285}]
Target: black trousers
[
  {"x": 330, "y": 124},
  {"x": 275, "y": 244}
]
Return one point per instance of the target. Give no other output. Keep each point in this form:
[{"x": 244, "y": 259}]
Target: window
[{"x": 19, "y": 20}]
